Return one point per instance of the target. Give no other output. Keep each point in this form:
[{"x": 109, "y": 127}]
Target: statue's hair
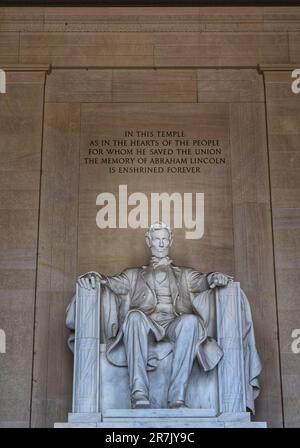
[{"x": 158, "y": 226}]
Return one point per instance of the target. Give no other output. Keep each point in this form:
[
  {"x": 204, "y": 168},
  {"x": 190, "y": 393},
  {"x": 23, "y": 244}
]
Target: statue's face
[{"x": 160, "y": 243}]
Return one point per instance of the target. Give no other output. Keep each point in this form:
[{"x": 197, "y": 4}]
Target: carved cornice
[
  {"x": 26, "y": 68},
  {"x": 277, "y": 67},
  {"x": 152, "y": 3},
  {"x": 47, "y": 68}
]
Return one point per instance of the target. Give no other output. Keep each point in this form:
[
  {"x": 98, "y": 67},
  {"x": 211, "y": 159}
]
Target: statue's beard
[{"x": 160, "y": 253}]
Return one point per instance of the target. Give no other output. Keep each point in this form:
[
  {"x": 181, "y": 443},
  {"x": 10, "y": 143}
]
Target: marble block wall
[{"x": 74, "y": 73}]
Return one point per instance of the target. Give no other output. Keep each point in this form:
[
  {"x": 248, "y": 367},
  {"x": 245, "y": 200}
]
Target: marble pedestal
[{"x": 160, "y": 418}]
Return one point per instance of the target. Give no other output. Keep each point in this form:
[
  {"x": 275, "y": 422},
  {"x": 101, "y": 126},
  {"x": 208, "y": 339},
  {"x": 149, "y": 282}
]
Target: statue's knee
[
  {"x": 135, "y": 321},
  {"x": 189, "y": 321},
  {"x": 134, "y": 317}
]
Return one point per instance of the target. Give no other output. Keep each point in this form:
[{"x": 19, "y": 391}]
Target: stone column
[
  {"x": 231, "y": 375},
  {"x": 87, "y": 351}
]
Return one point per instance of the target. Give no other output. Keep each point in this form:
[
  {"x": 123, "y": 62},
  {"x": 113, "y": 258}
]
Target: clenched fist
[{"x": 219, "y": 279}]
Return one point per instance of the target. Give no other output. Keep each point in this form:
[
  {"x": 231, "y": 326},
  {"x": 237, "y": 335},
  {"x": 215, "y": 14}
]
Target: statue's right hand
[{"x": 90, "y": 280}]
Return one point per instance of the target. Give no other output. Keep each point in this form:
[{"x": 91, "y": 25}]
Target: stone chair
[{"x": 101, "y": 390}]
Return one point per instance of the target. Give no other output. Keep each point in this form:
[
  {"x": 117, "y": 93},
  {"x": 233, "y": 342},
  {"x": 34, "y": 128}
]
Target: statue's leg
[
  {"x": 135, "y": 339},
  {"x": 184, "y": 332}
]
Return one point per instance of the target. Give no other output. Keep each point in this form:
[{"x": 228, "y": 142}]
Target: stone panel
[
  {"x": 283, "y": 112},
  {"x": 21, "y": 119},
  {"x": 165, "y": 86},
  {"x": 253, "y": 250},
  {"x": 9, "y": 48},
  {"x": 57, "y": 264},
  {"x": 79, "y": 85}
]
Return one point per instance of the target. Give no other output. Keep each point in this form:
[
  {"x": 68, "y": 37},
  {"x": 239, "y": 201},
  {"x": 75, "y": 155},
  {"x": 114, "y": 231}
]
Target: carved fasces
[
  {"x": 231, "y": 374},
  {"x": 87, "y": 350}
]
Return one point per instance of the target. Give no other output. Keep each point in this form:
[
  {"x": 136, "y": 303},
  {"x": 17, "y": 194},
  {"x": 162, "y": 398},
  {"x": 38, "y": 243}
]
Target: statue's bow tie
[{"x": 158, "y": 262}]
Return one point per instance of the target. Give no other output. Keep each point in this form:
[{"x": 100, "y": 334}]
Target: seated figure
[{"x": 164, "y": 302}]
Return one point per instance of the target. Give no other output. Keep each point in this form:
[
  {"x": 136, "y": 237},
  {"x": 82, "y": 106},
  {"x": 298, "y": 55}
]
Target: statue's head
[{"x": 159, "y": 238}]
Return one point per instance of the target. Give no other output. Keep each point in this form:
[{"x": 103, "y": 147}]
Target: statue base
[{"x": 160, "y": 418}]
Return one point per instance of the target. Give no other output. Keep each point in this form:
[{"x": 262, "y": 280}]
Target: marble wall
[{"x": 114, "y": 69}]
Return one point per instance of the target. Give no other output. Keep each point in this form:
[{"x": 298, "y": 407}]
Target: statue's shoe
[
  {"x": 179, "y": 404},
  {"x": 140, "y": 401}
]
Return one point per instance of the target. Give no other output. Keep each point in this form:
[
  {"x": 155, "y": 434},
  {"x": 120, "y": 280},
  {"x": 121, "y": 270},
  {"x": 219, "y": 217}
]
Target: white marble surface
[{"x": 210, "y": 323}]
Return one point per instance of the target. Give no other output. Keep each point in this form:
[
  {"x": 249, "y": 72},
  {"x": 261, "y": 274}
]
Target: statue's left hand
[
  {"x": 89, "y": 281},
  {"x": 219, "y": 279}
]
